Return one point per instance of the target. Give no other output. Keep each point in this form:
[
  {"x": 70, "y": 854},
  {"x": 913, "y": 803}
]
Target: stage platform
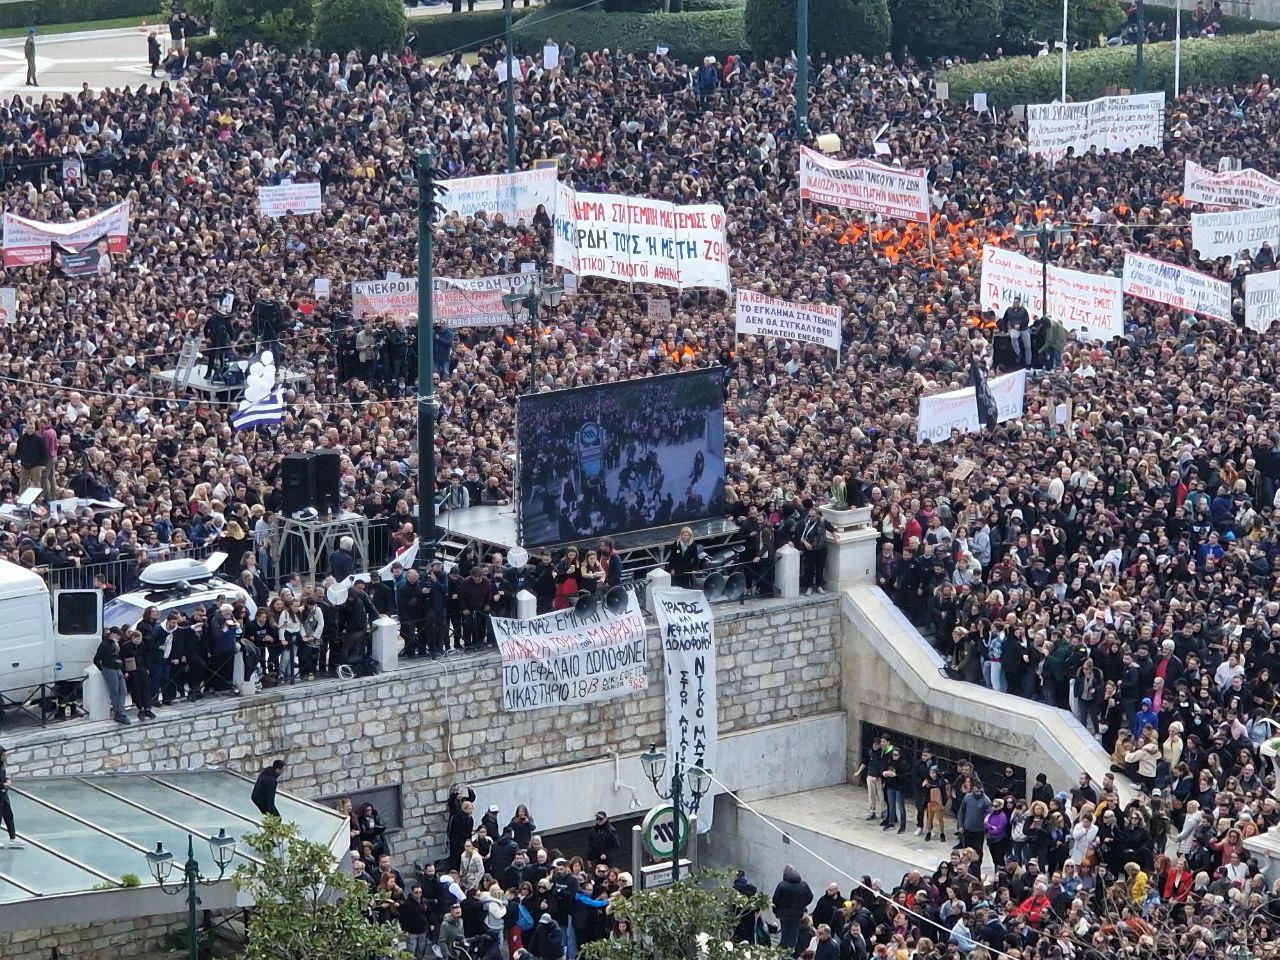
[{"x": 166, "y": 380}]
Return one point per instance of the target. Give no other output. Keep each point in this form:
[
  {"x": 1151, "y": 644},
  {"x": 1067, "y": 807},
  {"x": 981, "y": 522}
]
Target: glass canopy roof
[{"x": 86, "y": 833}]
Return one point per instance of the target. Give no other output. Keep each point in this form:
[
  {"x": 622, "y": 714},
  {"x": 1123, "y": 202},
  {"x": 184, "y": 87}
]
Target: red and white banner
[
  {"x": 1233, "y": 188},
  {"x": 641, "y": 241},
  {"x": 1108, "y": 123},
  {"x": 1005, "y": 275},
  {"x": 516, "y": 196},
  {"x": 1176, "y": 286},
  {"x": 760, "y": 316},
  {"x": 864, "y": 185},
  {"x": 942, "y": 413},
  {"x": 459, "y": 301},
  {"x": 31, "y": 241},
  {"x": 1092, "y": 304},
  {"x": 289, "y": 199},
  {"x": 1261, "y": 300}
]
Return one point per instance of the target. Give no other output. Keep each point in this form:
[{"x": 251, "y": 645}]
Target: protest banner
[
  {"x": 641, "y": 241},
  {"x": 1108, "y": 123},
  {"x": 459, "y": 301},
  {"x": 864, "y": 185},
  {"x": 941, "y": 413},
  {"x": 1261, "y": 300},
  {"x": 759, "y": 316},
  {"x": 687, "y": 628},
  {"x": 1226, "y": 234},
  {"x": 513, "y": 196},
  {"x": 289, "y": 199},
  {"x": 30, "y": 241},
  {"x": 1091, "y": 304},
  {"x": 1176, "y": 286},
  {"x": 1228, "y": 188},
  {"x": 8, "y": 305},
  {"x": 1005, "y": 275},
  {"x": 563, "y": 658}
]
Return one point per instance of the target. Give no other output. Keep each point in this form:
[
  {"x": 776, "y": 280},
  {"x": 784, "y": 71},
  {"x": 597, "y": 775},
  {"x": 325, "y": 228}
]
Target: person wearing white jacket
[
  {"x": 1083, "y": 834},
  {"x": 1189, "y": 826}
]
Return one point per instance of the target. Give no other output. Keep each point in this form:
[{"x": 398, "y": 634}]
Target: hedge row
[
  {"x": 459, "y": 31},
  {"x": 35, "y": 13},
  {"x": 689, "y": 36},
  {"x": 1231, "y": 26},
  {"x": 1221, "y": 62}
]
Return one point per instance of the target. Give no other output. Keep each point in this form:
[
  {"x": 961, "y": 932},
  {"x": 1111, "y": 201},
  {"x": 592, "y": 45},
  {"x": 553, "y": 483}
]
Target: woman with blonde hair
[{"x": 1146, "y": 754}]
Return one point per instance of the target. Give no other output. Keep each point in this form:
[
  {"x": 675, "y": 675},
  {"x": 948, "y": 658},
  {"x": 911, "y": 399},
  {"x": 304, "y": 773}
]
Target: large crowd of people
[{"x": 1113, "y": 551}]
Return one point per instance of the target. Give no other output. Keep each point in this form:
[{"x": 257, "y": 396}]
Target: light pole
[
  {"x": 654, "y": 763},
  {"x": 1139, "y": 66},
  {"x": 427, "y": 208},
  {"x": 802, "y": 70},
  {"x": 161, "y": 864},
  {"x": 508, "y": 14},
  {"x": 530, "y": 299},
  {"x": 1044, "y": 235}
]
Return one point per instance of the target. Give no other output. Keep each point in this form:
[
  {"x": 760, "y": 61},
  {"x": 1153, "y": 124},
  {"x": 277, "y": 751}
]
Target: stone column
[
  {"x": 386, "y": 644},
  {"x": 658, "y": 578},
  {"x": 786, "y": 576},
  {"x": 851, "y": 548}
]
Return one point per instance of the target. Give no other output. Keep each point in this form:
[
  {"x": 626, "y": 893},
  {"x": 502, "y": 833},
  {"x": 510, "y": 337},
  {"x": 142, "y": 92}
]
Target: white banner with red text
[
  {"x": 31, "y": 241},
  {"x": 1108, "y": 123},
  {"x": 641, "y": 241},
  {"x": 459, "y": 301},
  {"x": 864, "y": 185},
  {"x": 759, "y": 316},
  {"x": 1228, "y": 188},
  {"x": 1176, "y": 286},
  {"x": 1005, "y": 275},
  {"x": 1090, "y": 304},
  {"x": 289, "y": 199},
  {"x": 564, "y": 659}
]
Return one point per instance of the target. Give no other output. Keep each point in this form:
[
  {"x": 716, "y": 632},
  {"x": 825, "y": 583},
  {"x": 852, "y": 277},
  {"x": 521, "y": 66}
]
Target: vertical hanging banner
[
  {"x": 687, "y": 628},
  {"x": 30, "y": 241},
  {"x": 1005, "y": 275},
  {"x": 1261, "y": 300},
  {"x": 516, "y": 196},
  {"x": 641, "y": 241},
  {"x": 864, "y": 185},
  {"x": 289, "y": 199},
  {"x": 1091, "y": 304},
  {"x": 1176, "y": 286},
  {"x": 760, "y": 316},
  {"x": 564, "y": 659},
  {"x": 1108, "y": 123},
  {"x": 1228, "y": 188}
]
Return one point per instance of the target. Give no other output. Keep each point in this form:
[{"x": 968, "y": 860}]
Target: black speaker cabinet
[
  {"x": 298, "y": 490},
  {"x": 327, "y": 465}
]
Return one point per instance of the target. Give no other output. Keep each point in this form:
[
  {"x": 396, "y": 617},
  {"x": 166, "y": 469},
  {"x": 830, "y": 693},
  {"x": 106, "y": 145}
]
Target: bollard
[
  {"x": 657, "y": 579},
  {"x": 97, "y": 701},
  {"x": 787, "y": 573},
  {"x": 386, "y": 643},
  {"x": 526, "y": 605}
]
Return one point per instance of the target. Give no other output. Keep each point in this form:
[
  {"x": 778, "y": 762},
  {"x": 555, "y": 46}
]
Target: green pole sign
[{"x": 664, "y": 832}]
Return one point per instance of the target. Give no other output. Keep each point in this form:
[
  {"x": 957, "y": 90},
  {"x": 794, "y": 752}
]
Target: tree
[
  {"x": 306, "y": 906},
  {"x": 285, "y": 24},
  {"x": 669, "y": 922},
  {"x": 839, "y": 27},
  {"x": 935, "y": 28},
  {"x": 1040, "y": 20},
  {"x": 370, "y": 26}
]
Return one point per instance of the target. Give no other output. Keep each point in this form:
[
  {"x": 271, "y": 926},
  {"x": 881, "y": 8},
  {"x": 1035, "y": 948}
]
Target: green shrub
[
  {"x": 370, "y": 26},
  {"x": 933, "y": 28},
  {"x": 700, "y": 6},
  {"x": 444, "y": 34},
  {"x": 1040, "y": 20},
  {"x": 838, "y": 27},
  {"x": 207, "y": 46},
  {"x": 690, "y": 36},
  {"x": 35, "y": 13},
  {"x": 1231, "y": 26},
  {"x": 1221, "y": 62},
  {"x": 280, "y": 23}
]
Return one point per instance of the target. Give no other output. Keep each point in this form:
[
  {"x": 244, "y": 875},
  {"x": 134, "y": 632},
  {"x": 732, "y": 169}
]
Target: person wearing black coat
[
  {"x": 684, "y": 558},
  {"x": 603, "y": 839},
  {"x": 547, "y": 940},
  {"x": 791, "y": 898},
  {"x": 461, "y": 826},
  {"x": 503, "y": 854},
  {"x": 410, "y": 608},
  {"x": 264, "y": 789}
]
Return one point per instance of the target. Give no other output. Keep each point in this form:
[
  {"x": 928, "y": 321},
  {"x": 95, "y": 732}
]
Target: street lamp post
[
  {"x": 162, "y": 862},
  {"x": 530, "y": 299},
  {"x": 654, "y": 763},
  {"x": 427, "y": 208},
  {"x": 1044, "y": 236}
]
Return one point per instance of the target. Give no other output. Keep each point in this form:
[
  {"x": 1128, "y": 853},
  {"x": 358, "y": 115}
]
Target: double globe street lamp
[
  {"x": 654, "y": 764},
  {"x": 161, "y": 863},
  {"x": 530, "y": 299}
]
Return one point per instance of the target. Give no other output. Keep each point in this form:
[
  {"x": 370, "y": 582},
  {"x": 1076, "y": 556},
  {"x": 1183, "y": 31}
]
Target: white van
[{"x": 45, "y": 640}]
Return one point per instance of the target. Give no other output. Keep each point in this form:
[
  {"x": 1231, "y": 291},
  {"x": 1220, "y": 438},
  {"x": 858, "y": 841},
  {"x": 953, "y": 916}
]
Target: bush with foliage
[
  {"x": 461, "y": 31},
  {"x": 690, "y": 36},
  {"x": 838, "y": 27},
  {"x": 35, "y": 13},
  {"x": 1221, "y": 62},
  {"x": 934, "y": 28},
  {"x": 370, "y": 26},
  {"x": 1041, "y": 20},
  {"x": 285, "y": 24},
  {"x": 1231, "y": 26}
]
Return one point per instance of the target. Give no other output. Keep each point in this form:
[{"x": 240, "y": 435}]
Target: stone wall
[
  {"x": 90, "y": 941},
  {"x": 434, "y": 723}
]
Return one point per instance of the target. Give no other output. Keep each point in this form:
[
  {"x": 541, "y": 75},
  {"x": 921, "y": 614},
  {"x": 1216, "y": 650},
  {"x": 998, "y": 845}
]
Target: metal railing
[{"x": 121, "y": 573}]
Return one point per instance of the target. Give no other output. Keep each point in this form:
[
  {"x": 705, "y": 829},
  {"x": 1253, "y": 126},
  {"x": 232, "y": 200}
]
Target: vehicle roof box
[{"x": 169, "y": 573}]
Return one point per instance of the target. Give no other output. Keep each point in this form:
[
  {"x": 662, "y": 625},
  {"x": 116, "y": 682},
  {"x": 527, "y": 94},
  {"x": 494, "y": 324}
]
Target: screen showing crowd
[{"x": 606, "y": 459}]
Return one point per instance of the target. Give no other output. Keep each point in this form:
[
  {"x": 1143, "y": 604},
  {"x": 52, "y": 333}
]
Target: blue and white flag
[{"x": 268, "y": 410}]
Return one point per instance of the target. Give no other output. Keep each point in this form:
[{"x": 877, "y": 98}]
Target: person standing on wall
[
  {"x": 109, "y": 660},
  {"x": 29, "y": 51},
  {"x": 811, "y": 541},
  {"x": 264, "y": 789},
  {"x": 6, "y": 809}
]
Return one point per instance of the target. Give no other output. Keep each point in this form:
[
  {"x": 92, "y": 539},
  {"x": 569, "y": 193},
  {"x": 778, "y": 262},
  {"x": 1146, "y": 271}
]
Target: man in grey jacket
[{"x": 973, "y": 816}]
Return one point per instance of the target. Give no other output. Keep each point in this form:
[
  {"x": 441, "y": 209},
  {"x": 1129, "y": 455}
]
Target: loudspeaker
[
  {"x": 327, "y": 464},
  {"x": 298, "y": 488}
]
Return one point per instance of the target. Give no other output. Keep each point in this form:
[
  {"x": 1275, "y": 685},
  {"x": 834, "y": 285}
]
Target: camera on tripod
[
  {"x": 80, "y": 442},
  {"x": 268, "y": 318}
]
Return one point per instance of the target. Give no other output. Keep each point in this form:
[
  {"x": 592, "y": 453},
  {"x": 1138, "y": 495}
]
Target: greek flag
[{"x": 268, "y": 410}]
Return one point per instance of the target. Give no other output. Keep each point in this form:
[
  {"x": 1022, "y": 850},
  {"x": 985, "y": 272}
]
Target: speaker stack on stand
[{"x": 311, "y": 481}]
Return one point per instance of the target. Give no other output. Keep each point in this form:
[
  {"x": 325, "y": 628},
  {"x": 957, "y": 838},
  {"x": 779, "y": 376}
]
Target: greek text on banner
[
  {"x": 1261, "y": 300},
  {"x": 562, "y": 659},
  {"x": 1176, "y": 286},
  {"x": 1226, "y": 234},
  {"x": 31, "y": 241},
  {"x": 514, "y": 196},
  {"x": 760, "y": 316},
  {"x": 1091, "y": 304},
  {"x": 1108, "y": 123},
  {"x": 289, "y": 199},
  {"x": 864, "y": 185},
  {"x": 687, "y": 627},
  {"x": 459, "y": 301},
  {"x": 942, "y": 413},
  {"x": 1005, "y": 275},
  {"x": 1234, "y": 188}
]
